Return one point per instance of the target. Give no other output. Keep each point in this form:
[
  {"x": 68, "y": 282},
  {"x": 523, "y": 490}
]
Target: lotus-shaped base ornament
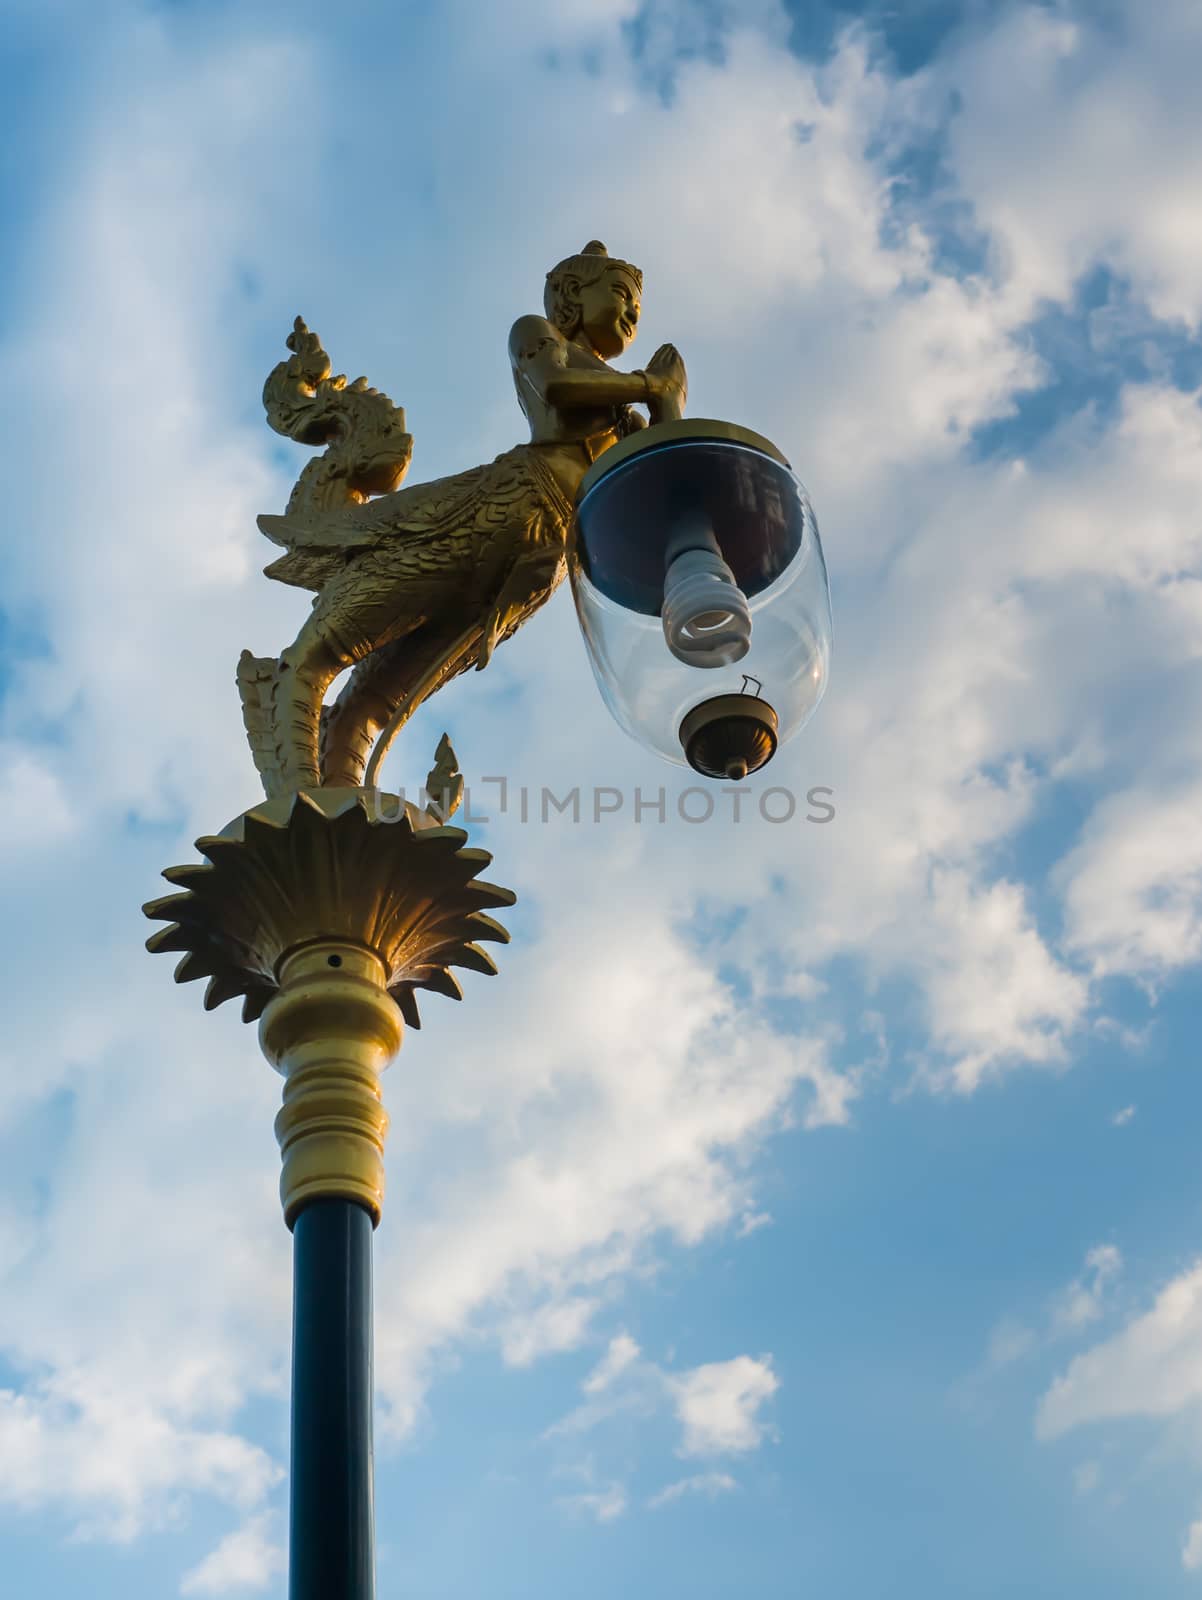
[
  {"x": 326, "y": 910},
  {"x": 353, "y": 864}
]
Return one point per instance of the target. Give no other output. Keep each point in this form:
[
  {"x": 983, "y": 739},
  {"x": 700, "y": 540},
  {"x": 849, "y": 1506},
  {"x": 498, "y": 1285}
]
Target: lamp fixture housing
[{"x": 702, "y": 594}]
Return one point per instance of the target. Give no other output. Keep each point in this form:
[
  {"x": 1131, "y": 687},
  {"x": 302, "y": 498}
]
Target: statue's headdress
[{"x": 575, "y": 273}]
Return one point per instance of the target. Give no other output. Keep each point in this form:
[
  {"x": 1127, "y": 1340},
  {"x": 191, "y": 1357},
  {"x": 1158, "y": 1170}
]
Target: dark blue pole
[{"x": 332, "y": 1542}]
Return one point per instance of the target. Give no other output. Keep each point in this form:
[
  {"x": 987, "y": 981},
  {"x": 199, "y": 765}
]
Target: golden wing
[{"x": 427, "y": 526}]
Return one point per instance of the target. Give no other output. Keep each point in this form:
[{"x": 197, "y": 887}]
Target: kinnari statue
[{"x": 422, "y": 582}]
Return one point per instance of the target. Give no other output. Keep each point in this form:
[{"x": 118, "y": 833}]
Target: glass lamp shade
[{"x": 736, "y": 658}]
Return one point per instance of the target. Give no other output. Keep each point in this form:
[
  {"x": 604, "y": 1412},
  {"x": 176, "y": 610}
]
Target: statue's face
[{"x": 609, "y": 313}]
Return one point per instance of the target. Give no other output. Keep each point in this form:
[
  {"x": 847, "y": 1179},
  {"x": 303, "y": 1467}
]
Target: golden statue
[
  {"x": 420, "y": 583},
  {"x": 328, "y": 905}
]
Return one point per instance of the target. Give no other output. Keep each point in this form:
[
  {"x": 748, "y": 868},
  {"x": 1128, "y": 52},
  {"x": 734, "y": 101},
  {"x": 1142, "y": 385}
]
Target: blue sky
[{"x": 806, "y": 1209}]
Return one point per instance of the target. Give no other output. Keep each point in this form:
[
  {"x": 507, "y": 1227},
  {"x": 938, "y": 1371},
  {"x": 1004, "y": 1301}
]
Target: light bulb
[{"x": 706, "y": 617}]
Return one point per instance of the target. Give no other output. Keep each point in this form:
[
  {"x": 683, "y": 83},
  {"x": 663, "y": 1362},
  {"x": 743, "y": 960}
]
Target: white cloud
[
  {"x": 1133, "y": 886},
  {"x": 606, "y": 1505},
  {"x": 709, "y": 1484},
  {"x": 245, "y": 1559},
  {"x": 1099, "y": 163},
  {"x": 1151, "y": 1368},
  {"x": 1076, "y": 1306},
  {"x": 116, "y": 1464},
  {"x": 1191, "y": 1555},
  {"x": 1122, "y": 1117},
  {"x": 623, "y": 1383},
  {"x": 1082, "y": 1302},
  {"x": 718, "y": 1405},
  {"x": 621, "y": 1354},
  {"x": 998, "y": 993},
  {"x": 35, "y": 809},
  {"x": 558, "y": 1325},
  {"x": 603, "y": 1501}
]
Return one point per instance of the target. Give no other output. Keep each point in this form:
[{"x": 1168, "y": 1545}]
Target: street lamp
[
  {"x": 702, "y": 594},
  {"x": 326, "y": 906}
]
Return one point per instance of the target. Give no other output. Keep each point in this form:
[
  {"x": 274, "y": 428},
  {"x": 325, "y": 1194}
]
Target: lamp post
[
  {"x": 330, "y": 903},
  {"x": 325, "y": 910}
]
